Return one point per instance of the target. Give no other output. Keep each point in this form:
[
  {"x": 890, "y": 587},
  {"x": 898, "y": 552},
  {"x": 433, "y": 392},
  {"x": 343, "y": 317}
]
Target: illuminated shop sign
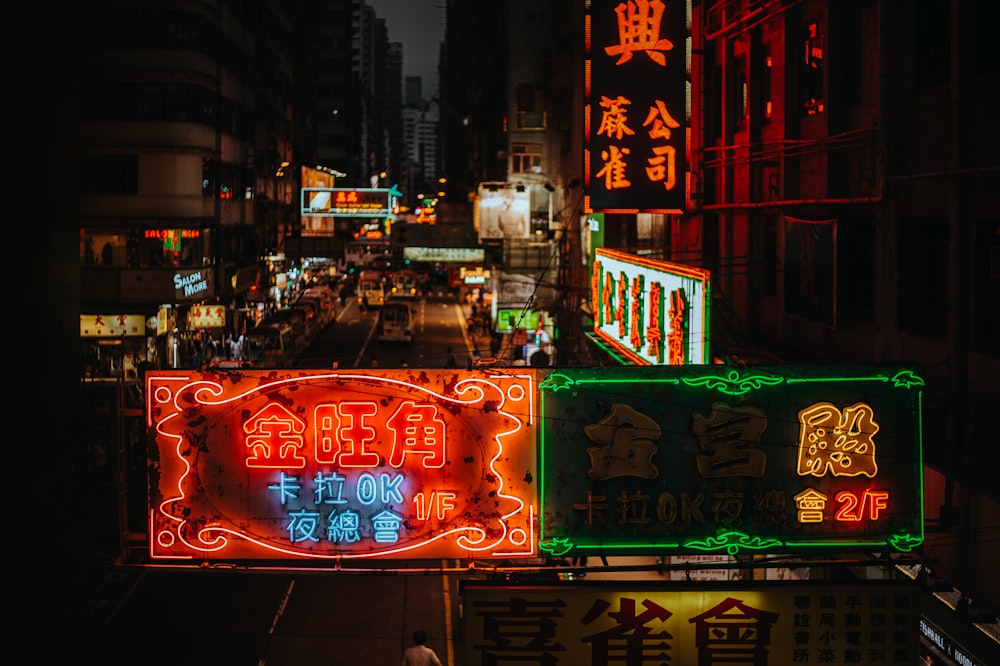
[
  {"x": 637, "y": 109},
  {"x": 167, "y": 234},
  {"x": 726, "y": 460},
  {"x": 445, "y": 255},
  {"x": 192, "y": 285},
  {"x": 476, "y": 275},
  {"x": 426, "y": 212},
  {"x": 206, "y": 316},
  {"x": 341, "y": 465},
  {"x": 112, "y": 325},
  {"x": 945, "y": 644},
  {"x": 334, "y": 202},
  {"x": 508, "y": 321},
  {"x": 171, "y": 237},
  {"x": 653, "y": 312},
  {"x": 711, "y": 623},
  {"x": 503, "y": 211}
]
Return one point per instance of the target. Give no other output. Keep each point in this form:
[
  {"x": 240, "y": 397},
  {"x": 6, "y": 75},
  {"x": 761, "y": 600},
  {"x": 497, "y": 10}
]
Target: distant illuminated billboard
[
  {"x": 637, "y": 106},
  {"x": 730, "y": 460},
  {"x": 445, "y": 255},
  {"x": 651, "y": 311},
  {"x": 206, "y": 316},
  {"x": 703, "y": 624},
  {"x": 313, "y": 465},
  {"x": 503, "y": 211},
  {"x": 507, "y": 320},
  {"x": 112, "y": 325},
  {"x": 341, "y": 202}
]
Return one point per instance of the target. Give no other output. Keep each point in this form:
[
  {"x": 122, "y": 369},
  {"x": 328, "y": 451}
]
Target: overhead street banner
[
  {"x": 773, "y": 624},
  {"x": 314, "y": 465},
  {"x": 637, "y": 108},
  {"x": 368, "y": 202},
  {"x": 716, "y": 459}
]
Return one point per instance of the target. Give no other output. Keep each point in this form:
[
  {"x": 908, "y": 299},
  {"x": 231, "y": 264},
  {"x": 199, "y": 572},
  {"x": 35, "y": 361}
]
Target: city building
[
  {"x": 839, "y": 186},
  {"x": 420, "y": 139}
]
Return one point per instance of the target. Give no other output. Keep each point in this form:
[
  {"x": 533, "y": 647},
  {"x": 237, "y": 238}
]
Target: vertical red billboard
[
  {"x": 314, "y": 465},
  {"x": 637, "y": 109}
]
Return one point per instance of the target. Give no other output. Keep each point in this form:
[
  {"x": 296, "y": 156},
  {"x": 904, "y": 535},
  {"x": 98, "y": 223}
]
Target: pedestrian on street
[{"x": 419, "y": 654}]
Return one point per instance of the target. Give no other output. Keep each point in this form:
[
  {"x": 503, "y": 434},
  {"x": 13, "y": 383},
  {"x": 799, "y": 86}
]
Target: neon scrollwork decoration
[
  {"x": 777, "y": 459},
  {"x": 342, "y": 465}
]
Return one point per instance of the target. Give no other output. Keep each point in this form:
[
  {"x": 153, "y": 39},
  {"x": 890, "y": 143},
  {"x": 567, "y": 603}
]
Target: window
[
  {"x": 933, "y": 42},
  {"x": 812, "y": 71},
  {"x": 986, "y": 56},
  {"x": 770, "y": 272},
  {"x": 530, "y": 120},
  {"x": 766, "y": 71},
  {"x": 713, "y": 91},
  {"x": 923, "y": 276},
  {"x": 853, "y": 60},
  {"x": 110, "y": 174},
  {"x": 526, "y": 157},
  {"x": 525, "y": 95},
  {"x": 986, "y": 288},
  {"x": 741, "y": 94},
  {"x": 856, "y": 270}
]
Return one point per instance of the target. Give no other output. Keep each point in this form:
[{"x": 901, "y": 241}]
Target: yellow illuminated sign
[{"x": 708, "y": 624}]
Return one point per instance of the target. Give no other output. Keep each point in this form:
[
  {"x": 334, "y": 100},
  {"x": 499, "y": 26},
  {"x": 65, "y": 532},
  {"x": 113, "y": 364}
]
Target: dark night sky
[{"x": 419, "y": 26}]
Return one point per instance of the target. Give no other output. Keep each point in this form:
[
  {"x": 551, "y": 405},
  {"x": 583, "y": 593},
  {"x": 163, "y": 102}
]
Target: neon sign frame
[
  {"x": 349, "y": 202},
  {"x": 338, "y": 465},
  {"x": 653, "y": 312},
  {"x": 637, "y": 110},
  {"x": 715, "y": 459}
]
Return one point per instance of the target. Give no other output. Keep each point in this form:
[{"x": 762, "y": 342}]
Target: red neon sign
[{"x": 341, "y": 465}]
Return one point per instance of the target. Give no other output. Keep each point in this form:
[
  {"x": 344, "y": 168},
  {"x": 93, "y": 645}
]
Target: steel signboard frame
[
  {"x": 594, "y": 624},
  {"x": 503, "y": 211},
  {"x": 651, "y": 311},
  {"x": 703, "y": 459},
  {"x": 637, "y": 106},
  {"x": 349, "y": 202},
  {"x": 326, "y": 466}
]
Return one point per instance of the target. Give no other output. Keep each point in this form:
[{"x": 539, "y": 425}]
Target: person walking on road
[{"x": 419, "y": 654}]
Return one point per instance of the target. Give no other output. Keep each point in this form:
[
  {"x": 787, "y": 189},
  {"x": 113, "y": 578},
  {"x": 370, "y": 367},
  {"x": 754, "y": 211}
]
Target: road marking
[
  {"x": 464, "y": 324},
  {"x": 277, "y": 615}
]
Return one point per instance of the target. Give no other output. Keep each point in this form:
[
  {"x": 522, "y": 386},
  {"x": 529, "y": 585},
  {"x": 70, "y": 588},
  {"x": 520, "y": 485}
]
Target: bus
[
  {"x": 271, "y": 346},
  {"x": 395, "y": 322},
  {"x": 327, "y": 300},
  {"x": 296, "y": 318},
  {"x": 309, "y": 309},
  {"x": 371, "y": 287},
  {"x": 405, "y": 282}
]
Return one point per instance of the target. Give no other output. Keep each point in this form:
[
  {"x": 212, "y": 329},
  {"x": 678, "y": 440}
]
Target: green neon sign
[{"x": 715, "y": 459}]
